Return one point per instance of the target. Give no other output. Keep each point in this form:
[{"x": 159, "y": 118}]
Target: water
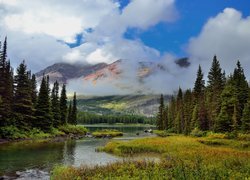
[{"x": 29, "y": 160}]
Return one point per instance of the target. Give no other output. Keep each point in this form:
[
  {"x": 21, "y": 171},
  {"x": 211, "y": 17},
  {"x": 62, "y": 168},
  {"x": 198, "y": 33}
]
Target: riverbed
[{"x": 34, "y": 159}]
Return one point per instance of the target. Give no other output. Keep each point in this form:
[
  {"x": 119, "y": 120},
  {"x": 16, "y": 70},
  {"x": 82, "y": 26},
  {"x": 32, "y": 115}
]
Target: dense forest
[
  {"x": 223, "y": 105},
  {"x": 90, "y": 118},
  {"x": 23, "y": 108}
]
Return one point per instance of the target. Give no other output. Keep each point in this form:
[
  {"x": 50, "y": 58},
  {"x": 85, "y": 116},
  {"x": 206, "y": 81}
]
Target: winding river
[{"x": 34, "y": 160}]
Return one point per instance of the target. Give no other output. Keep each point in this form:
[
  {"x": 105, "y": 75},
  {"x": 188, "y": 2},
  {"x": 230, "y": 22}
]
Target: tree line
[
  {"x": 90, "y": 118},
  {"x": 22, "y": 106},
  {"x": 223, "y": 105}
]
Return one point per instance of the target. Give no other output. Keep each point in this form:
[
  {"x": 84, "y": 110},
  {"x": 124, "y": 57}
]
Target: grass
[
  {"x": 13, "y": 133},
  {"x": 107, "y": 133},
  {"x": 182, "y": 158}
]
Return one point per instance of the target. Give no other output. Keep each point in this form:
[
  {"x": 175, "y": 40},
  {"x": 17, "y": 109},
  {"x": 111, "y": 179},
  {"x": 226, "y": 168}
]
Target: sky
[{"x": 44, "y": 32}]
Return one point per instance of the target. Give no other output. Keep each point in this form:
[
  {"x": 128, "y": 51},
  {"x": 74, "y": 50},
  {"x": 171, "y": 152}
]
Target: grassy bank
[
  {"x": 13, "y": 133},
  {"x": 182, "y": 158},
  {"x": 107, "y": 133}
]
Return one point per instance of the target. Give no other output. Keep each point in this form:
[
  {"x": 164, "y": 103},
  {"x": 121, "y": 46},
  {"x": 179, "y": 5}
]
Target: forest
[
  {"x": 220, "y": 105},
  {"x": 23, "y": 109},
  {"x": 91, "y": 118}
]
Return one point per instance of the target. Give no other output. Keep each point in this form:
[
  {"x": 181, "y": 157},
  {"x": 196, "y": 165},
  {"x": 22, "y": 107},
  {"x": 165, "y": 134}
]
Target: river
[{"x": 34, "y": 160}]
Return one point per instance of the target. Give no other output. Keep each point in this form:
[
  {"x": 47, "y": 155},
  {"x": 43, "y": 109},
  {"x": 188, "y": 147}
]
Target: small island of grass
[{"x": 107, "y": 133}]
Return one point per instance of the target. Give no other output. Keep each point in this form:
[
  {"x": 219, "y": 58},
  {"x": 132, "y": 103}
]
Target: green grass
[
  {"x": 14, "y": 133},
  {"x": 107, "y": 133}
]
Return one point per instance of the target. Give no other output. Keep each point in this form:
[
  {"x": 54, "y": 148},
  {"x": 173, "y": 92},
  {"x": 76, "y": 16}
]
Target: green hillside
[{"x": 146, "y": 105}]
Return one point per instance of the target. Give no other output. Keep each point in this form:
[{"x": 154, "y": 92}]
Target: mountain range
[{"x": 64, "y": 72}]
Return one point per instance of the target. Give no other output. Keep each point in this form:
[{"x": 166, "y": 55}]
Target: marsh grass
[
  {"x": 182, "y": 157},
  {"x": 107, "y": 133}
]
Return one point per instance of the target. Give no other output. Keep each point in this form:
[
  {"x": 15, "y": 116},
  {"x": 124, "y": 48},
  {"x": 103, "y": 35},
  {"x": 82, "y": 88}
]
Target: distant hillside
[{"x": 146, "y": 105}]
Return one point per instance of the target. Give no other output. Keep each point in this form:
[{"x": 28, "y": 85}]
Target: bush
[
  {"x": 197, "y": 133},
  {"x": 12, "y": 132},
  {"x": 72, "y": 129},
  {"x": 216, "y": 135}
]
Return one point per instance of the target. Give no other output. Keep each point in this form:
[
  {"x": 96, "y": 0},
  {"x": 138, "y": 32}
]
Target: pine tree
[
  {"x": 55, "y": 105},
  {"x": 199, "y": 86},
  {"x": 245, "y": 127},
  {"x": 69, "y": 118},
  {"x": 63, "y": 105},
  {"x": 44, "y": 118},
  {"x": 74, "y": 110},
  {"x": 188, "y": 107},
  {"x": 33, "y": 89},
  {"x": 224, "y": 122},
  {"x": 160, "y": 115},
  {"x": 165, "y": 118},
  {"x": 216, "y": 82},
  {"x": 241, "y": 85},
  {"x": 6, "y": 87},
  {"x": 23, "y": 107},
  {"x": 171, "y": 113},
  {"x": 179, "y": 120}
]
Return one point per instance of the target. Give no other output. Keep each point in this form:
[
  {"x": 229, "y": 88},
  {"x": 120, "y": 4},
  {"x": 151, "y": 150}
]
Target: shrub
[
  {"x": 72, "y": 129},
  {"x": 12, "y": 132},
  {"x": 197, "y": 133}
]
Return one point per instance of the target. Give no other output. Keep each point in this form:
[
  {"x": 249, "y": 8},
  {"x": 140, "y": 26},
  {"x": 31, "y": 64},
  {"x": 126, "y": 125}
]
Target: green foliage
[
  {"x": 89, "y": 118},
  {"x": 55, "y": 105},
  {"x": 72, "y": 129},
  {"x": 160, "y": 115},
  {"x": 197, "y": 133},
  {"x": 12, "y": 132},
  {"x": 44, "y": 118},
  {"x": 23, "y": 106},
  {"x": 63, "y": 105},
  {"x": 107, "y": 133}
]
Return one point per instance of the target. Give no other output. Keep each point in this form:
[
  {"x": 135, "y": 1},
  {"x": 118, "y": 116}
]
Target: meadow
[{"x": 182, "y": 157}]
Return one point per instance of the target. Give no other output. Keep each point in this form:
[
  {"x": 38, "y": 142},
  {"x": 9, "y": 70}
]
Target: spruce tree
[
  {"x": 224, "y": 122},
  {"x": 188, "y": 107},
  {"x": 74, "y": 110},
  {"x": 241, "y": 85},
  {"x": 199, "y": 86},
  {"x": 44, "y": 118},
  {"x": 55, "y": 105},
  {"x": 33, "y": 89},
  {"x": 179, "y": 120},
  {"x": 63, "y": 105},
  {"x": 23, "y": 107},
  {"x": 6, "y": 87},
  {"x": 216, "y": 82},
  {"x": 160, "y": 115},
  {"x": 171, "y": 113},
  {"x": 69, "y": 118}
]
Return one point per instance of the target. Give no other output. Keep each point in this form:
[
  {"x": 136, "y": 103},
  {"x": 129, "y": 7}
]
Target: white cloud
[
  {"x": 227, "y": 35},
  {"x": 34, "y": 28}
]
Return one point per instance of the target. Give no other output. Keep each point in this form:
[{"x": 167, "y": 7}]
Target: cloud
[
  {"x": 227, "y": 35},
  {"x": 37, "y": 29}
]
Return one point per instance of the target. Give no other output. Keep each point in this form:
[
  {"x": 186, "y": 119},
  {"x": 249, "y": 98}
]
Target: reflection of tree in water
[{"x": 69, "y": 152}]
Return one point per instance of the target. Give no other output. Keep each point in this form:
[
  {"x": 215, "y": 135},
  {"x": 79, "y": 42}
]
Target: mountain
[
  {"x": 146, "y": 105},
  {"x": 63, "y": 72}
]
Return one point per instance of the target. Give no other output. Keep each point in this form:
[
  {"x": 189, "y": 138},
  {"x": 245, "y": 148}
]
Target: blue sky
[{"x": 173, "y": 37}]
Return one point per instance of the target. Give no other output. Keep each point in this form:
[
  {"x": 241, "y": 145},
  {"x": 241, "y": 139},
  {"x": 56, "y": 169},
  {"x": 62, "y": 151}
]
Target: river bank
[
  {"x": 182, "y": 157},
  {"x": 61, "y": 133}
]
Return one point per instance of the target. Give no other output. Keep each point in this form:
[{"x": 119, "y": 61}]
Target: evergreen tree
[
  {"x": 199, "y": 85},
  {"x": 6, "y": 87},
  {"x": 216, "y": 82},
  {"x": 55, "y": 105},
  {"x": 63, "y": 105},
  {"x": 224, "y": 122},
  {"x": 160, "y": 115},
  {"x": 23, "y": 107},
  {"x": 70, "y": 119},
  {"x": 171, "y": 113},
  {"x": 33, "y": 89},
  {"x": 74, "y": 110},
  {"x": 246, "y": 118},
  {"x": 44, "y": 118},
  {"x": 188, "y": 107},
  {"x": 179, "y": 120},
  {"x": 165, "y": 116},
  {"x": 241, "y": 85}
]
